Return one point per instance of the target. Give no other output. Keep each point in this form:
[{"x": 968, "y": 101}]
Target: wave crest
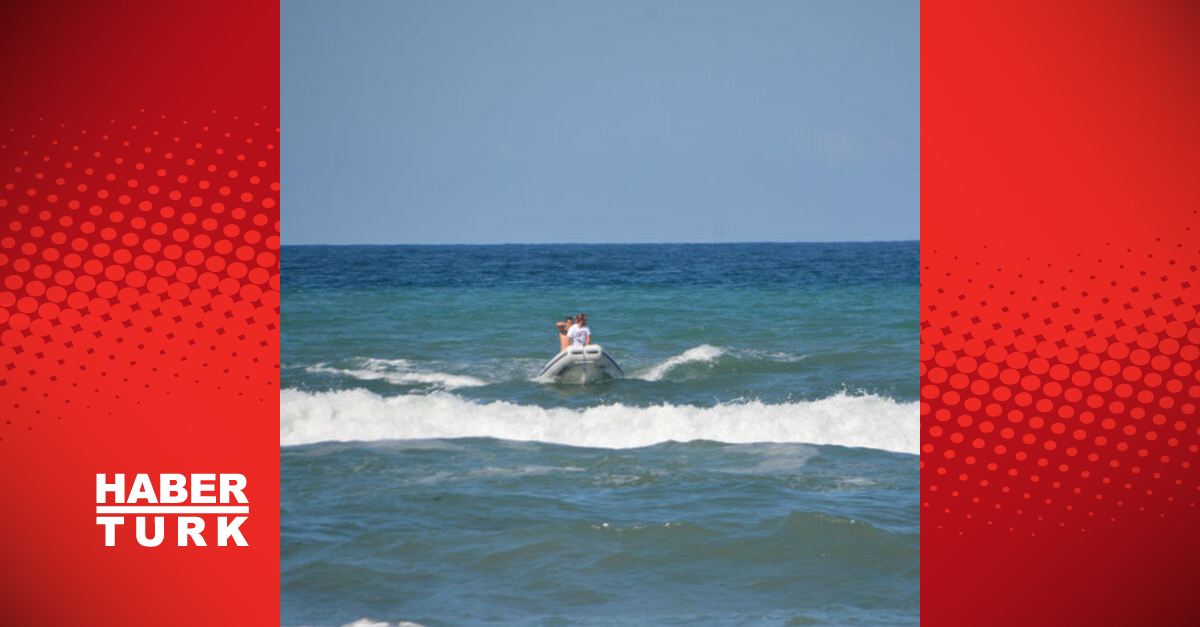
[
  {"x": 701, "y": 353},
  {"x": 860, "y": 421},
  {"x": 397, "y": 372},
  {"x": 719, "y": 359},
  {"x": 370, "y": 622}
]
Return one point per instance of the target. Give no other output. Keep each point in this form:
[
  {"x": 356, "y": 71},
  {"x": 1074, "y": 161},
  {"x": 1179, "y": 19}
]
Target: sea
[{"x": 757, "y": 466}]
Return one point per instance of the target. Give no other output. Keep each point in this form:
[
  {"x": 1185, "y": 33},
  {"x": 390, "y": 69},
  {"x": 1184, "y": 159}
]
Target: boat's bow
[{"x": 581, "y": 364}]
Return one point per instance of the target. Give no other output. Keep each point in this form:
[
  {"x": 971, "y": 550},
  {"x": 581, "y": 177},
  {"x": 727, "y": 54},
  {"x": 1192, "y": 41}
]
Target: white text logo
[{"x": 187, "y": 498}]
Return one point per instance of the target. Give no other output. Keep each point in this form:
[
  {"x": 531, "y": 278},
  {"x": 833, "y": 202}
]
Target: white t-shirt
[{"x": 578, "y": 335}]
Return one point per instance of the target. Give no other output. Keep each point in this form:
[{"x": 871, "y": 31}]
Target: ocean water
[{"x": 757, "y": 465}]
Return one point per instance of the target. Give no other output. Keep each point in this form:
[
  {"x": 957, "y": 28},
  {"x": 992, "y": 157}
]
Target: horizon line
[{"x": 861, "y": 241}]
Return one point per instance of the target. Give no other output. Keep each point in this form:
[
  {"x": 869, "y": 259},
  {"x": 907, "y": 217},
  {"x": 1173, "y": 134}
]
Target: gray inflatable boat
[{"x": 581, "y": 364}]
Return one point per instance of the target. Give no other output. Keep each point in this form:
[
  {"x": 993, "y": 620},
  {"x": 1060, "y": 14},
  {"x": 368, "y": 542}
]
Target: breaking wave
[
  {"x": 368, "y": 622},
  {"x": 398, "y": 372},
  {"x": 354, "y": 415},
  {"x": 717, "y": 359},
  {"x": 701, "y": 353}
]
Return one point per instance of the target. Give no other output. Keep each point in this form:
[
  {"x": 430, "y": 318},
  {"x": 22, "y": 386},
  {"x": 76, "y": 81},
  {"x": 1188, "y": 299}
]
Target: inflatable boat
[{"x": 581, "y": 364}]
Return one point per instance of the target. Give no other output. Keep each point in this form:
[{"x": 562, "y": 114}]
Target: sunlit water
[{"x": 756, "y": 467}]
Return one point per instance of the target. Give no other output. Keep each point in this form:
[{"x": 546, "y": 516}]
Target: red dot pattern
[
  {"x": 1060, "y": 398},
  {"x": 119, "y": 259}
]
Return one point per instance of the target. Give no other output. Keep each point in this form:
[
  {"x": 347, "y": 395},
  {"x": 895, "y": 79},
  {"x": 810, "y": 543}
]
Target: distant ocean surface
[{"x": 756, "y": 467}]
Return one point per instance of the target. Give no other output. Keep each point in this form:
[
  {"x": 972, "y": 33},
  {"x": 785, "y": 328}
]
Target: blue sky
[{"x": 565, "y": 121}]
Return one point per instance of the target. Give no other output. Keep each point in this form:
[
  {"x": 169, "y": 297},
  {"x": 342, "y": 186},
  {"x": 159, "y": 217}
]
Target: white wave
[
  {"x": 701, "y": 353},
  {"x": 344, "y": 415},
  {"x": 774, "y": 356},
  {"x": 368, "y": 622},
  {"x": 398, "y": 372}
]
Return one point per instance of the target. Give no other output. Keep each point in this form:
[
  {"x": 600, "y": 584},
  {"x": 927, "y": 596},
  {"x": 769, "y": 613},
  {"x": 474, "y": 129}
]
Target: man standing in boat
[
  {"x": 563, "y": 339},
  {"x": 580, "y": 361},
  {"x": 579, "y": 334}
]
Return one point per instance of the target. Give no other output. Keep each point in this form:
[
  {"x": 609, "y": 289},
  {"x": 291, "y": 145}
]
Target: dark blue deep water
[{"x": 755, "y": 467}]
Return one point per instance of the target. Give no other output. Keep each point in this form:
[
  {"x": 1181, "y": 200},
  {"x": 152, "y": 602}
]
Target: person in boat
[
  {"x": 563, "y": 340},
  {"x": 579, "y": 333}
]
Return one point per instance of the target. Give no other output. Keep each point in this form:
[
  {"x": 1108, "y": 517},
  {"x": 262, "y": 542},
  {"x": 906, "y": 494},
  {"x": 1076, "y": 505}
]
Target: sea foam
[
  {"x": 369, "y": 622},
  {"x": 347, "y": 415},
  {"x": 702, "y": 353},
  {"x": 398, "y": 372},
  {"x": 712, "y": 356}
]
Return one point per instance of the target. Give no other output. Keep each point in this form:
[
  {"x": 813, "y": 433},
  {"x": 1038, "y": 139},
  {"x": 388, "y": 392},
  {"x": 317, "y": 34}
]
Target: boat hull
[{"x": 581, "y": 365}]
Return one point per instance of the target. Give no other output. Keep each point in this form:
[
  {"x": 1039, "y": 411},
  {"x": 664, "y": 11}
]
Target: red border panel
[
  {"x": 139, "y": 302},
  {"x": 1059, "y": 330}
]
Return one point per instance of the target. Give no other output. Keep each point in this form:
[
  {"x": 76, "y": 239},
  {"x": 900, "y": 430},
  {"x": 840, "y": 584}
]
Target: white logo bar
[{"x": 172, "y": 509}]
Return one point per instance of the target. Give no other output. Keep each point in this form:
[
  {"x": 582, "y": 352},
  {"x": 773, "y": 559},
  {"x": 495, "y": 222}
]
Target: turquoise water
[{"x": 756, "y": 466}]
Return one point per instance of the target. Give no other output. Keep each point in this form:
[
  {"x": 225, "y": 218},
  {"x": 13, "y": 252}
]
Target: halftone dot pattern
[
  {"x": 1056, "y": 398},
  {"x": 112, "y": 361},
  {"x": 125, "y": 269}
]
